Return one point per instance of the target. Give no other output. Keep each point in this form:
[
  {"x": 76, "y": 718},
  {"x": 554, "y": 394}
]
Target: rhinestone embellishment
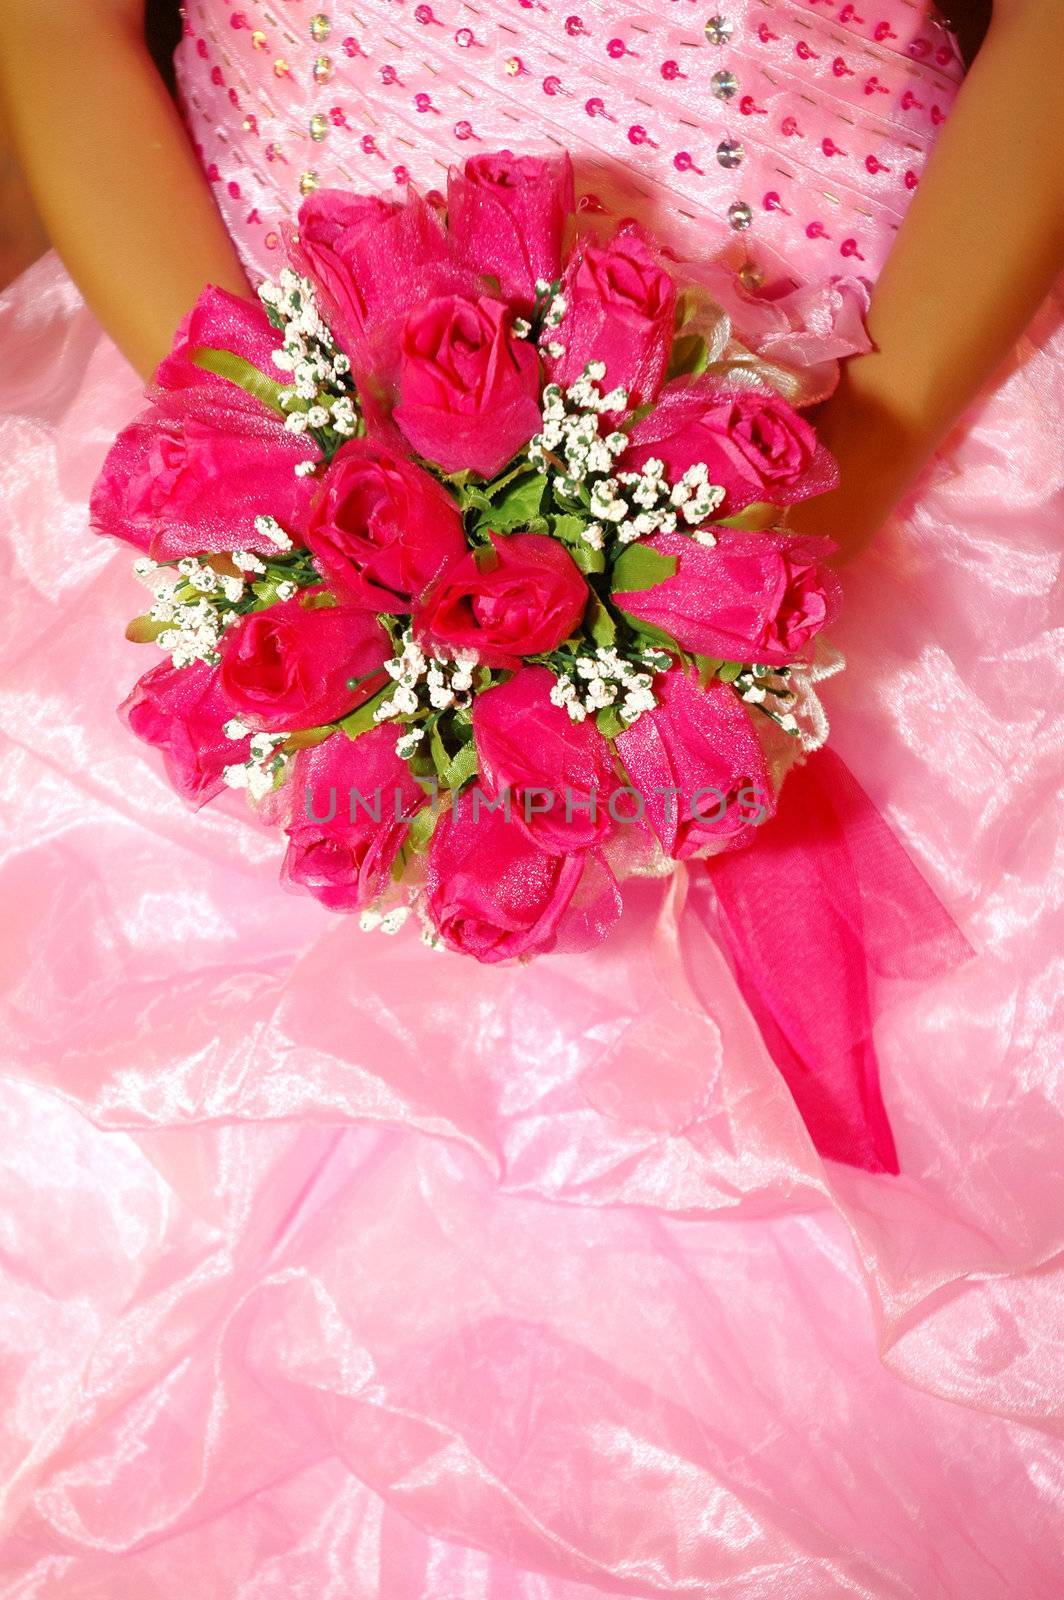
[
  {"x": 724, "y": 84},
  {"x": 323, "y": 69},
  {"x": 320, "y": 27},
  {"x": 730, "y": 153},
  {"x": 308, "y": 182},
  {"x": 719, "y": 29},
  {"x": 740, "y": 216},
  {"x": 319, "y": 127}
]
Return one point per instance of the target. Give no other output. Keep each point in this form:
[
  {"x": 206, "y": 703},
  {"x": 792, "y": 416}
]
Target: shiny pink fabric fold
[{"x": 827, "y": 904}]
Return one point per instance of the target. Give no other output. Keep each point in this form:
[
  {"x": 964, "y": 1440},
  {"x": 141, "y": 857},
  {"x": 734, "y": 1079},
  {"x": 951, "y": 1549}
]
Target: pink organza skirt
[{"x": 336, "y": 1267}]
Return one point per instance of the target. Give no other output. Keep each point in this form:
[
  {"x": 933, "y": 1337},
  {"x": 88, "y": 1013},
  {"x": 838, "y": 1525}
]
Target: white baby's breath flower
[
  {"x": 247, "y": 562},
  {"x": 404, "y": 700},
  {"x": 260, "y": 782},
  {"x": 271, "y": 529}
]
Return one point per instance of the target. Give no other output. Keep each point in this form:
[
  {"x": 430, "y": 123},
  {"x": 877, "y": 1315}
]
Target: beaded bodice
[{"x": 793, "y": 129}]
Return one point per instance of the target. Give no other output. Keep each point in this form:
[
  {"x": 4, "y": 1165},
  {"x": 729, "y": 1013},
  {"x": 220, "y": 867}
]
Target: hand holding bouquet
[{"x": 466, "y": 558}]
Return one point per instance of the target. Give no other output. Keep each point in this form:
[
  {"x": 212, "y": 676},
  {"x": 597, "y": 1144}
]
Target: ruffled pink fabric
[{"x": 338, "y": 1267}]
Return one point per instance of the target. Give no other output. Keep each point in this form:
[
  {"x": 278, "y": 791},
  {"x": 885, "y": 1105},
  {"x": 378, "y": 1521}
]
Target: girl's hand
[{"x": 879, "y": 459}]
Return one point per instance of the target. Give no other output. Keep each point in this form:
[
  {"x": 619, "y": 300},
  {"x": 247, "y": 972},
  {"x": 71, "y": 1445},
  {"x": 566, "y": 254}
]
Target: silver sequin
[
  {"x": 308, "y": 182},
  {"x": 719, "y": 29},
  {"x": 319, "y": 127},
  {"x": 320, "y": 27},
  {"x": 740, "y": 216},
  {"x": 724, "y": 84},
  {"x": 323, "y": 69},
  {"x": 730, "y": 152}
]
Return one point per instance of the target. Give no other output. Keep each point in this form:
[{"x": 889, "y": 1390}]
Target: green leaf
[
  {"x": 708, "y": 668},
  {"x": 649, "y": 635},
  {"x": 422, "y": 826},
  {"x": 494, "y": 489},
  {"x": 639, "y": 567},
  {"x": 473, "y": 496},
  {"x": 303, "y": 738},
  {"x": 609, "y": 722},
  {"x": 586, "y": 559},
  {"x": 224, "y": 364},
  {"x": 440, "y": 759},
  {"x": 759, "y": 515},
  {"x": 637, "y": 416},
  {"x": 600, "y": 625},
  {"x": 486, "y": 557},
  {"x": 361, "y": 720},
  {"x": 462, "y": 768},
  {"x": 728, "y": 671},
  {"x": 519, "y": 503},
  {"x": 145, "y": 630},
  {"x": 569, "y": 529},
  {"x": 690, "y": 356},
  {"x": 686, "y": 306}
]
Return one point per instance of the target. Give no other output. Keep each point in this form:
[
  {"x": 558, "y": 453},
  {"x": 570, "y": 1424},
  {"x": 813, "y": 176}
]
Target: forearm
[
  {"x": 978, "y": 251},
  {"x": 111, "y": 170}
]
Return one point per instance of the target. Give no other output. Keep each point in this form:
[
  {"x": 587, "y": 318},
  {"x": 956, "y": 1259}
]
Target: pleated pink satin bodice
[{"x": 778, "y": 131}]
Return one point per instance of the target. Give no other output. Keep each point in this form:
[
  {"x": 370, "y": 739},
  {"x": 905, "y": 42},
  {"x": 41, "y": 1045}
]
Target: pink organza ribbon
[{"x": 824, "y": 906}]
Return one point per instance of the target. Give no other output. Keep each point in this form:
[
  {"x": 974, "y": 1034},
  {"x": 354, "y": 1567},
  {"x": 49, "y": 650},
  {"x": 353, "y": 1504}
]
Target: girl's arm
[
  {"x": 979, "y": 249},
  {"x": 110, "y": 167}
]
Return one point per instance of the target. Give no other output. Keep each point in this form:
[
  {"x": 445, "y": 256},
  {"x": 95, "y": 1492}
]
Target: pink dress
[{"x": 337, "y": 1267}]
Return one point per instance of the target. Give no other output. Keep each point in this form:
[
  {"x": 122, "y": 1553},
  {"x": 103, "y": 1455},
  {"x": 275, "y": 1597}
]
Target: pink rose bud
[
  {"x": 221, "y": 321},
  {"x": 759, "y": 597},
  {"x": 522, "y": 597},
  {"x": 492, "y": 893},
  {"x": 755, "y": 446},
  {"x": 181, "y": 711},
  {"x": 289, "y": 666},
  {"x": 351, "y": 802},
  {"x": 371, "y": 259},
  {"x": 620, "y": 309},
  {"x": 559, "y": 773},
  {"x": 194, "y": 476},
  {"x": 506, "y": 215},
  {"x": 697, "y": 763},
  {"x": 468, "y": 388},
  {"x": 382, "y": 528}
]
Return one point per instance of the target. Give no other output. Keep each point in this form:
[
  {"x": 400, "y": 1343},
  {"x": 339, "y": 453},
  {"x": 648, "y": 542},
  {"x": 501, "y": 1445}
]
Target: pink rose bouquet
[{"x": 467, "y": 554}]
